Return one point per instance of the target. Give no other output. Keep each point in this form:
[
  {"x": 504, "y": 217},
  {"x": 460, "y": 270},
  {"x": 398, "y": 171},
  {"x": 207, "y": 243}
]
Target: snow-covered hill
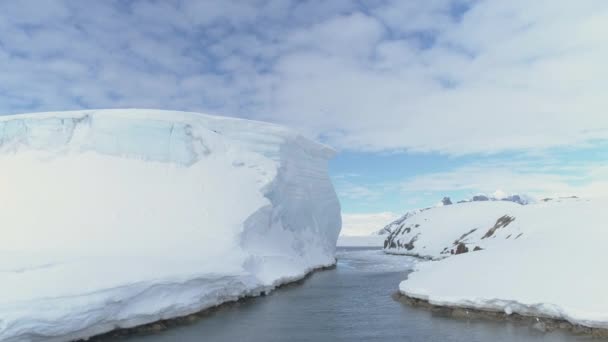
[
  {"x": 498, "y": 196},
  {"x": 438, "y": 232},
  {"x": 391, "y": 227},
  {"x": 117, "y": 218},
  {"x": 544, "y": 259}
]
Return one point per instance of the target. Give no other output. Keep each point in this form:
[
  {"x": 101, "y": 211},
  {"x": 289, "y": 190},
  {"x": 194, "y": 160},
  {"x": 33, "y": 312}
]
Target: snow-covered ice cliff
[
  {"x": 545, "y": 259},
  {"x": 117, "y": 218}
]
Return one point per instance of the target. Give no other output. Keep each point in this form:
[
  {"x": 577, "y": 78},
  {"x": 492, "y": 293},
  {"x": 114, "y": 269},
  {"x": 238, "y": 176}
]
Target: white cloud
[
  {"x": 584, "y": 180},
  {"x": 365, "y": 224},
  {"x": 425, "y": 76},
  {"x": 359, "y": 192}
]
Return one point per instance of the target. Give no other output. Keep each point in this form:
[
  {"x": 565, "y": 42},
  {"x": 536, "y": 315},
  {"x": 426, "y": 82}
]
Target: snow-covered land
[
  {"x": 544, "y": 259},
  {"x": 391, "y": 227},
  {"x": 438, "y": 232},
  {"x": 116, "y": 218},
  {"x": 497, "y": 196}
]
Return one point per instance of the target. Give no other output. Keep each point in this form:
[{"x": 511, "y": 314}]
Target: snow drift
[
  {"x": 544, "y": 259},
  {"x": 117, "y": 218}
]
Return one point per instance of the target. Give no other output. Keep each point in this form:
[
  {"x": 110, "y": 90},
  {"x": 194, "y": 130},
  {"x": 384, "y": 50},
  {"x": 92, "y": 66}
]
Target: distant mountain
[{"x": 516, "y": 198}]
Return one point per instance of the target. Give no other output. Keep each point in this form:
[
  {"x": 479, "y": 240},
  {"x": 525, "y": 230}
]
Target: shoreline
[
  {"x": 539, "y": 323},
  {"x": 165, "y": 324},
  {"x": 413, "y": 255}
]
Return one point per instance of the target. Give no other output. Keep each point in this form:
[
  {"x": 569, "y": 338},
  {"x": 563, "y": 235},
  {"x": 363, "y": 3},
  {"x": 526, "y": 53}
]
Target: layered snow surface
[
  {"x": 544, "y": 259},
  {"x": 116, "y": 218}
]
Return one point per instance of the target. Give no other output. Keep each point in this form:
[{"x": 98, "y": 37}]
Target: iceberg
[{"x": 117, "y": 218}]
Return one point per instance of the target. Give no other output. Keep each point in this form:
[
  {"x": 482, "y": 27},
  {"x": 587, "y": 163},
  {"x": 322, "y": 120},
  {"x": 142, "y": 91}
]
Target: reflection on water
[{"x": 350, "y": 303}]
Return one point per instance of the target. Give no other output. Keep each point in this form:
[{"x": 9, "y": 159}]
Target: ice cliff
[{"x": 117, "y": 218}]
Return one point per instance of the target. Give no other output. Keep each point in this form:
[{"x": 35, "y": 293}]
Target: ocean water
[{"x": 352, "y": 302}]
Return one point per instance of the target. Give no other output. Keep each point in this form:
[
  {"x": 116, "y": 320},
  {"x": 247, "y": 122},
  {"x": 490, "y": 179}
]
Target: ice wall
[{"x": 136, "y": 205}]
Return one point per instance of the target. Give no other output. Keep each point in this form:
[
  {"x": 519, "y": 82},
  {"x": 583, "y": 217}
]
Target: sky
[{"x": 420, "y": 99}]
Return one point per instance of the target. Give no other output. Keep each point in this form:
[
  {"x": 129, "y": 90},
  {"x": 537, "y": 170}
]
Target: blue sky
[
  {"x": 396, "y": 182},
  {"x": 371, "y": 182},
  {"x": 420, "y": 98}
]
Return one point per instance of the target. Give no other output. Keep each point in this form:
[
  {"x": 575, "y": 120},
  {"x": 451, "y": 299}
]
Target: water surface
[{"x": 349, "y": 303}]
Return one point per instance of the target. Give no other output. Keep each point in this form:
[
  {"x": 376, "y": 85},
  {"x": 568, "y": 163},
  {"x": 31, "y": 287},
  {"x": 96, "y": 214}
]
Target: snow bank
[
  {"x": 554, "y": 269},
  {"x": 117, "y": 218}
]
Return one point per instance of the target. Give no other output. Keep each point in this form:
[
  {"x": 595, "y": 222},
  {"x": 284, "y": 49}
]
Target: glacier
[{"x": 117, "y": 218}]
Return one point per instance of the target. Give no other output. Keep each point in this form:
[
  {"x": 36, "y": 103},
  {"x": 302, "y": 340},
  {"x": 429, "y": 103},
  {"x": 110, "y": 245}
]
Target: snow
[
  {"x": 499, "y": 195},
  {"x": 389, "y": 228},
  {"x": 436, "y": 232},
  {"x": 117, "y": 218},
  {"x": 554, "y": 269}
]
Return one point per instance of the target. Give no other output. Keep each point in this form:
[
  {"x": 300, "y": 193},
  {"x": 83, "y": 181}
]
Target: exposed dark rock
[
  {"x": 410, "y": 245},
  {"x": 460, "y": 245},
  {"x": 461, "y": 249},
  {"x": 502, "y": 222},
  {"x": 463, "y": 236},
  {"x": 477, "y": 248},
  {"x": 446, "y": 201},
  {"x": 516, "y": 199},
  {"x": 390, "y": 228},
  {"x": 480, "y": 198}
]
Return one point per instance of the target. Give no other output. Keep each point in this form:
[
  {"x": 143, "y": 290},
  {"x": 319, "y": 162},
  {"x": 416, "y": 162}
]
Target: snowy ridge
[
  {"x": 499, "y": 195},
  {"x": 551, "y": 270},
  {"x": 446, "y": 201},
  {"x": 391, "y": 227},
  {"x": 117, "y": 218}
]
